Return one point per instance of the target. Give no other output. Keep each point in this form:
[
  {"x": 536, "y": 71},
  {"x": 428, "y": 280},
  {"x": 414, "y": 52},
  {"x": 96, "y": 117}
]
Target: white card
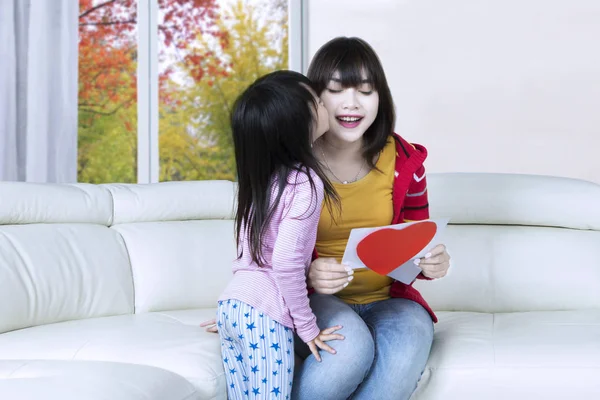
[{"x": 378, "y": 250}]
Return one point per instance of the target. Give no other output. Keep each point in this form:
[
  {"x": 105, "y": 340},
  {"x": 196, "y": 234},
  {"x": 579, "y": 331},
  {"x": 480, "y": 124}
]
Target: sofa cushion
[
  {"x": 514, "y": 199},
  {"x": 153, "y": 339},
  {"x": 49, "y": 203},
  {"x": 90, "y": 380},
  {"x": 497, "y": 268},
  {"x": 179, "y": 265},
  {"x": 57, "y": 272},
  {"x": 550, "y": 355},
  {"x": 172, "y": 201}
]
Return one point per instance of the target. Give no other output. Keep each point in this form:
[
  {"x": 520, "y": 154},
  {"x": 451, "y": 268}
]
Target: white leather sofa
[{"x": 102, "y": 289}]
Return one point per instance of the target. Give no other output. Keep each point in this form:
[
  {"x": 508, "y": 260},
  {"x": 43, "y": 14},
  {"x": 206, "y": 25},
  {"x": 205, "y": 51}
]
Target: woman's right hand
[{"x": 327, "y": 276}]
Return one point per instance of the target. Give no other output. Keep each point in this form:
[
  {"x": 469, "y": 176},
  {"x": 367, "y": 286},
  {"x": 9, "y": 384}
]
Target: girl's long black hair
[{"x": 271, "y": 124}]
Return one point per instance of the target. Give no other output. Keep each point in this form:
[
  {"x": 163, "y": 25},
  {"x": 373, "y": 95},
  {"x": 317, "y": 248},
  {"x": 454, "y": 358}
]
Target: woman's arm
[
  {"x": 416, "y": 202},
  {"x": 416, "y": 208}
]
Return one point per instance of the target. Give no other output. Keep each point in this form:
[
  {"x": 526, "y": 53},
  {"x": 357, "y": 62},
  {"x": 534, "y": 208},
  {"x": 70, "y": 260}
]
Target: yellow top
[{"x": 365, "y": 203}]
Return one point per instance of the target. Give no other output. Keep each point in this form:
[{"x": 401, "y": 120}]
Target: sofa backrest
[
  {"x": 80, "y": 251},
  {"x": 517, "y": 242},
  {"x": 59, "y": 260},
  {"x": 179, "y": 237}
]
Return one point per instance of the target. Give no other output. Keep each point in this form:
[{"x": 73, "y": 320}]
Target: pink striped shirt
[{"x": 278, "y": 288}]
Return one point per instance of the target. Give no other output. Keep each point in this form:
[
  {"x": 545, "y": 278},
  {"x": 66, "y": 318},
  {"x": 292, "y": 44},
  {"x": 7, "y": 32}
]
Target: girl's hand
[
  {"x": 436, "y": 263},
  {"x": 327, "y": 276},
  {"x": 211, "y": 325},
  {"x": 325, "y": 336}
]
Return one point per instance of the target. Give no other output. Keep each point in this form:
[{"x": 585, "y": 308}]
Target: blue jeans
[{"x": 384, "y": 353}]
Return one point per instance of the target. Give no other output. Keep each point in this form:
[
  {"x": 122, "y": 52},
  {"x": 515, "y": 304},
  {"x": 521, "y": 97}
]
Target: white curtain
[{"x": 38, "y": 90}]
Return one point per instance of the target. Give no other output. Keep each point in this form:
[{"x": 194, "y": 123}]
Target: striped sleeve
[
  {"x": 292, "y": 251},
  {"x": 416, "y": 204}
]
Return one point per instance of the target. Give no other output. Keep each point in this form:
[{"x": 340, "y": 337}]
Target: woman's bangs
[{"x": 355, "y": 69}]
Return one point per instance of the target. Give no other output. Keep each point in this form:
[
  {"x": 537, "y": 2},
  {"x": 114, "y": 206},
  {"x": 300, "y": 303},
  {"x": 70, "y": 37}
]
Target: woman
[{"x": 380, "y": 179}]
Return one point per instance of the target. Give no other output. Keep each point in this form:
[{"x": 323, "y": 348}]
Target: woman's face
[{"x": 351, "y": 110}]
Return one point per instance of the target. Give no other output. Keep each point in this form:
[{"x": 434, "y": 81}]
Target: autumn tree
[
  {"x": 107, "y": 77},
  {"x": 207, "y": 57},
  {"x": 196, "y": 123}
]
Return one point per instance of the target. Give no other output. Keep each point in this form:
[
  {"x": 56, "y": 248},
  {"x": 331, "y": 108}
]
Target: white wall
[{"x": 486, "y": 85}]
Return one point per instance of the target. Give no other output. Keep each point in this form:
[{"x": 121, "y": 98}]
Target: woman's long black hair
[
  {"x": 353, "y": 58},
  {"x": 271, "y": 124}
]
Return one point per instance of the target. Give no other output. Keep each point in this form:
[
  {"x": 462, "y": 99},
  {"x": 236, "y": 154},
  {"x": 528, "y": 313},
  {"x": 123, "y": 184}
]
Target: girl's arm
[{"x": 293, "y": 248}]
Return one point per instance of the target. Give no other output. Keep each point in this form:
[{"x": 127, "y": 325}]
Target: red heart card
[{"x": 386, "y": 249}]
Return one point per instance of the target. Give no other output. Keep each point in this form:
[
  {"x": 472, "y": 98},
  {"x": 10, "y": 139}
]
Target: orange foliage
[{"x": 108, "y": 44}]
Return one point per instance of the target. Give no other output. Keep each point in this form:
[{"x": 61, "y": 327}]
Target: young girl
[{"x": 280, "y": 194}]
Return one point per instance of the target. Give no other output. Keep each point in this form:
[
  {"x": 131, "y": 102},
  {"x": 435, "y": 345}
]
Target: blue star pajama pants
[{"x": 258, "y": 353}]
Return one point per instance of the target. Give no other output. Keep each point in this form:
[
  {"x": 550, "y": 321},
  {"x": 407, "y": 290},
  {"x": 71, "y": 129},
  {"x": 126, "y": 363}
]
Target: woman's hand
[
  {"x": 211, "y": 326},
  {"x": 324, "y": 336},
  {"x": 327, "y": 276},
  {"x": 436, "y": 263}
]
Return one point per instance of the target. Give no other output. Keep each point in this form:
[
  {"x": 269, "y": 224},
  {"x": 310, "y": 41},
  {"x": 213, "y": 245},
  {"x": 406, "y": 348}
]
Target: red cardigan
[{"x": 409, "y": 197}]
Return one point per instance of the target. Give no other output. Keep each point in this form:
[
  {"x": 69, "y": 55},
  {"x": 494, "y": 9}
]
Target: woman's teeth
[{"x": 349, "y": 119}]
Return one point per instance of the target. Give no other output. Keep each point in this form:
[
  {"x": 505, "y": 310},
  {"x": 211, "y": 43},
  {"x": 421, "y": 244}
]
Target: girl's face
[
  {"x": 351, "y": 110},
  {"x": 320, "y": 120}
]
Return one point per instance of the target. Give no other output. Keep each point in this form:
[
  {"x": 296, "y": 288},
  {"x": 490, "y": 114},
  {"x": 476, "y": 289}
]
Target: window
[
  {"x": 187, "y": 61},
  {"x": 107, "y": 116}
]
